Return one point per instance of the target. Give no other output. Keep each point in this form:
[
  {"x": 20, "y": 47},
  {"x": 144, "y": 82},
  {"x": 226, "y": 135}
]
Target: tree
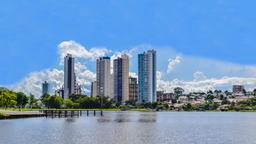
[
  {"x": 31, "y": 100},
  {"x": 45, "y": 99},
  {"x": 209, "y": 97},
  {"x": 7, "y": 98},
  {"x": 68, "y": 103},
  {"x": 244, "y": 92},
  {"x": 254, "y": 92},
  {"x": 75, "y": 97},
  {"x": 178, "y": 91},
  {"x": 55, "y": 102},
  {"x": 22, "y": 99}
]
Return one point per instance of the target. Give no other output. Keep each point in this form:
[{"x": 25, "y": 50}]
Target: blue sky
[{"x": 219, "y": 32}]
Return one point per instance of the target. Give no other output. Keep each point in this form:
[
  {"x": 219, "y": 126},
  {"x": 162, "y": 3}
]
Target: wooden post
[
  {"x": 101, "y": 113},
  {"x": 94, "y": 112},
  {"x": 52, "y": 113},
  {"x": 72, "y": 113},
  {"x": 87, "y": 113}
]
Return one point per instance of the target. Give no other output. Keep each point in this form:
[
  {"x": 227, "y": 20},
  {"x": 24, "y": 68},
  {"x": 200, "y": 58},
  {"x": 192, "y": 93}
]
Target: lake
[{"x": 134, "y": 128}]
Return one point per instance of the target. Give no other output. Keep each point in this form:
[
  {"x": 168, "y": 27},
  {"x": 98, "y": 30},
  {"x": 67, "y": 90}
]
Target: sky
[{"x": 200, "y": 44}]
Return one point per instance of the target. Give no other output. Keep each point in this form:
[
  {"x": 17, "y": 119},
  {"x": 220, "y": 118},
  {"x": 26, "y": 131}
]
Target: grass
[
  {"x": 28, "y": 109},
  {"x": 3, "y": 116}
]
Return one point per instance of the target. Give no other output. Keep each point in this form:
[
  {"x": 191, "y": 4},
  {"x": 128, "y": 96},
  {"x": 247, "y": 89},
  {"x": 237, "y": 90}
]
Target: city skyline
[{"x": 198, "y": 48}]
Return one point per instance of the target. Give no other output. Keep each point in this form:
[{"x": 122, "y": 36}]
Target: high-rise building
[
  {"x": 147, "y": 76},
  {"x": 45, "y": 88},
  {"x": 60, "y": 92},
  {"x": 103, "y": 76},
  {"x": 78, "y": 89},
  {"x": 94, "y": 88},
  {"x": 69, "y": 76},
  {"x": 121, "y": 79},
  {"x": 111, "y": 85},
  {"x": 133, "y": 89}
]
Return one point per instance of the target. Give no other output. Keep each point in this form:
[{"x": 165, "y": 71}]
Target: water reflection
[
  {"x": 69, "y": 120},
  {"x": 122, "y": 117},
  {"x": 148, "y": 118},
  {"x": 133, "y": 128}
]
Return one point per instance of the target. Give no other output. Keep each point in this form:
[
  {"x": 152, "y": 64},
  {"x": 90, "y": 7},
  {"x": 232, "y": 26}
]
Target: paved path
[{"x": 21, "y": 114}]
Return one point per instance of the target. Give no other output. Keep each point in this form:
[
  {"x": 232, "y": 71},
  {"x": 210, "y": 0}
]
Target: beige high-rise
[
  {"x": 103, "y": 76},
  {"x": 121, "y": 79}
]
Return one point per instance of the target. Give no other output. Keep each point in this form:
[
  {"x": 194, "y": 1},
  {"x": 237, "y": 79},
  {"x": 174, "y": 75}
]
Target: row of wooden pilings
[{"x": 69, "y": 113}]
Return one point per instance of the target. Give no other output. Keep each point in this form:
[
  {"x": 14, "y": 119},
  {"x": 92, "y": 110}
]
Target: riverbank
[
  {"x": 12, "y": 113},
  {"x": 3, "y": 116},
  {"x": 8, "y": 114}
]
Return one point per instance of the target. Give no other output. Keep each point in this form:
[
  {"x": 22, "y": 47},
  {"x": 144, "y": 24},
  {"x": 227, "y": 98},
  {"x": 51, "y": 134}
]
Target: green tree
[
  {"x": 254, "y": 92},
  {"x": 31, "y": 100},
  {"x": 178, "y": 91},
  {"x": 22, "y": 99},
  {"x": 45, "y": 100},
  {"x": 68, "y": 103},
  {"x": 7, "y": 98},
  {"x": 55, "y": 102}
]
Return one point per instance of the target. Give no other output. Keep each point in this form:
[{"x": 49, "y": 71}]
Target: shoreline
[{"x": 29, "y": 113}]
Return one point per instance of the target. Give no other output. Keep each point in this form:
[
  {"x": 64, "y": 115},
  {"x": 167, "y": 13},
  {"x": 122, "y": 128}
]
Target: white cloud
[
  {"x": 33, "y": 82},
  {"x": 130, "y": 52},
  {"x": 173, "y": 62},
  {"x": 79, "y": 51},
  {"x": 204, "y": 85},
  {"x": 198, "y": 76},
  {"x": 133, "y": 74}
]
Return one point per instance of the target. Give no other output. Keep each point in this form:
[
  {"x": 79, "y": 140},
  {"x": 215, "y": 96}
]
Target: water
[{"x": 134, "y": 128}]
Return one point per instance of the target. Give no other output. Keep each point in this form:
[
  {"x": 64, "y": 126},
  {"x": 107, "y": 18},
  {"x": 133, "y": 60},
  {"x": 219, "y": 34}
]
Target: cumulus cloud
[
  {"x": 130, "y": 52},
  {"x": 173, "y": 62},
  {"x": 79, "y": 51},
  {"x": 33, "y": 82},
  {"x": 198, "y": 76},
  {"x": 203, "y": 85},
  {"x": 133, "y": 74}
]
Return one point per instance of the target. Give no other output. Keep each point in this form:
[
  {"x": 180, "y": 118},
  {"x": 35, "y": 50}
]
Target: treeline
[
  {"x": 11, "y": 99},
  {"x": 77, "y": 101}
]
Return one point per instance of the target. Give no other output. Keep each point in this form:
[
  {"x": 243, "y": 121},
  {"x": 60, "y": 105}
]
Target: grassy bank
[
  {"x": 3, "y": 116},
  {"x": 27, "y": 109}
]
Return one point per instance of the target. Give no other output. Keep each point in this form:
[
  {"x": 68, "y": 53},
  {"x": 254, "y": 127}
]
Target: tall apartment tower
[
  {"x": 103, "y": 76},
  {"x": 69, "y": 76},
  {"x": 45, "y": 88},
  {"x": 133, "y": 89},
  {"x": 147, "y": 76},
  {"x": 121, "y": 79},
  {"x": 94, "y": 88}
]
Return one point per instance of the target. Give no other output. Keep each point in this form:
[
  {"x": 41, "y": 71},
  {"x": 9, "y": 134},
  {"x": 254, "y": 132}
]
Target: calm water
[{"x": 134, "y": 128}]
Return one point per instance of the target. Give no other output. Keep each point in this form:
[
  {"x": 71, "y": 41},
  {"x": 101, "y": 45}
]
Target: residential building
[
  {"x": 133, "y": 89},
  {"x": 164, "y": 97},
  {"x": 69, "y": 76},
  {"x": 147, "y": 76},
  {"x": 238, "y": 90},
  {"x": 60, "y": 92},
  {"x": 103, "y": 76},
  {"x": 78, "y": 89},
  {"x": 121, "y": 79},
  {"x": 94, "y": 88}
]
